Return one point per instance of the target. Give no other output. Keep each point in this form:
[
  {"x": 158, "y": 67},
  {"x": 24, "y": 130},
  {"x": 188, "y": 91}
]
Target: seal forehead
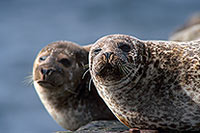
[
  {"x": 64, "y": 47},
  {"x": 117, "y": 36},
  {"x": 114, "y": 41}
]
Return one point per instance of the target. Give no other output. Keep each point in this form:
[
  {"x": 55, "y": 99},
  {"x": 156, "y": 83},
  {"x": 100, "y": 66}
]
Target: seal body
[
  {"x": 148, "y": 84},
  {"x": 58, "y": 79}
]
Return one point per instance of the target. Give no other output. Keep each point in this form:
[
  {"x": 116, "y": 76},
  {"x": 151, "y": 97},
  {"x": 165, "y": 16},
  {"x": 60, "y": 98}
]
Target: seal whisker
[
  {"x": 28, "y": 80},
  {"x": 90, "y": 82},
  {"x": 129, "y": 66},
  {"x": 121, "y": 68},
  {"x": 85, "y": 73},
  {"x": 125, "y": 70}
]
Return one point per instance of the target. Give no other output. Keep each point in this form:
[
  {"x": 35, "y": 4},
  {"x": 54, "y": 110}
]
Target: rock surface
[{"x": 101, "y": 127}]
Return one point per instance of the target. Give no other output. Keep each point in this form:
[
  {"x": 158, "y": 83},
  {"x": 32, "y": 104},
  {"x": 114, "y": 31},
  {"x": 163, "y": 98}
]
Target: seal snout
[
  {"x": 49, "y": 77},
  {"x": 108, "y": 56},
  {"x": 107, "y": 66},
  {"x": 47, "y": 71}
]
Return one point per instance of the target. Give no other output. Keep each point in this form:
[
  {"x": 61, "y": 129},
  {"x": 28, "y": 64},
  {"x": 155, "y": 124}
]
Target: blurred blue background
[{"x": 26, "y": 26}]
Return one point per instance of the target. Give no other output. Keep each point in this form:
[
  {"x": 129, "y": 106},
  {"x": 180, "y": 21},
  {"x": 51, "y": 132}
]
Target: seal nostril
[
  {"x": 43, "y": 71},
  {"x": 108, "y": 54},
  {"x": 46, "y": 71}
]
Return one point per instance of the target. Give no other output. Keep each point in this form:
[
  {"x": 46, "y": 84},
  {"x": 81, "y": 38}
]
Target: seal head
[
  {"x": 58, "y": 61},
  {"x": 58, "y": 79},
  {"x": 115, "y": 58}
]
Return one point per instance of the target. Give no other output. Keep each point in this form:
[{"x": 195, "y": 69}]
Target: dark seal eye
[
  {"x": 65, "y": 62},
  {"x": 43, "y": 58},
  {"x": 124, "y": 47},
  {"x": 96, "y": 51}
]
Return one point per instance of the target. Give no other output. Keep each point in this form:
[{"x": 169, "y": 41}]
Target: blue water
[{"x": 26, "y": 26}]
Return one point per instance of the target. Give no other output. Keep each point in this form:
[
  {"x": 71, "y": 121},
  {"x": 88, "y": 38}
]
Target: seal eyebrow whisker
[{"x": 85, "y": 73}]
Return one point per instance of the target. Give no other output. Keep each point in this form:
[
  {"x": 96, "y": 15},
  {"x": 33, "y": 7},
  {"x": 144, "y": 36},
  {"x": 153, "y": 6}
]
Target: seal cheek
[
  {"x": 36, "y": 74},
  {"x": 98, "y": 67}
]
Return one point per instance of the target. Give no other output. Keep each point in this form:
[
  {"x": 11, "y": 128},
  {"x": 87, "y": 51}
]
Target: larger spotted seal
[
  {"x": 148, "y": 84},
  {"x": 58, "y": 79}
]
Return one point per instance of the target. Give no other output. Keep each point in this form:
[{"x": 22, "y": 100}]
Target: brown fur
[{"x": 57, "y": 74}]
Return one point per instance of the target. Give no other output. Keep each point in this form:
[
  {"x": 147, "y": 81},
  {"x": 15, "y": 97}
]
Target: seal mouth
[
  {"x": 107, "y": 69},
  {"x": 115, "y": 74},
  {"x": 109, "y": 72},
  {"x": 48, "y": 84}
]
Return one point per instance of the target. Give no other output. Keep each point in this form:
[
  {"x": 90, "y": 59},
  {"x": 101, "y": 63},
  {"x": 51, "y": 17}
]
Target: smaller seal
[
  {"x": 58, "y": 79},
  {"x": 148, "y": 84},
  {"x": 189, "y": 31}
]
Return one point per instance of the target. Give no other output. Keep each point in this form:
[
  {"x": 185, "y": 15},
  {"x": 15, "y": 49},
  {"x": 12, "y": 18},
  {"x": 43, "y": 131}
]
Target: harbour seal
[
  {"x": 57, "y": 76},
  {"x": 148, "y": 84},
  {"x": 189, "y": 31}
]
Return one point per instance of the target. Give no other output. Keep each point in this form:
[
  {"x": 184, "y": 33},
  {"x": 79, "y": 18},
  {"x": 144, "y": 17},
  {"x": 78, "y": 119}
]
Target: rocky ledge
[{"x": 101, "y": 127}]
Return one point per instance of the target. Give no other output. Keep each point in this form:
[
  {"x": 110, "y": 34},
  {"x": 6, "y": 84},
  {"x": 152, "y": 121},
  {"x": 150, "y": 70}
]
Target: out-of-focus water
[{"x": 27, "y": 26}]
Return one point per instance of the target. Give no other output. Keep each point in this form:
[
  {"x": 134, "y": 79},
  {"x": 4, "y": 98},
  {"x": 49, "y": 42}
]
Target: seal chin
[{"x": 48, "y": 84}]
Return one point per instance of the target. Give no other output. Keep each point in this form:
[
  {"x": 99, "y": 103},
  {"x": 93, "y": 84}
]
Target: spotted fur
[{"x": 161, "y": 89}]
